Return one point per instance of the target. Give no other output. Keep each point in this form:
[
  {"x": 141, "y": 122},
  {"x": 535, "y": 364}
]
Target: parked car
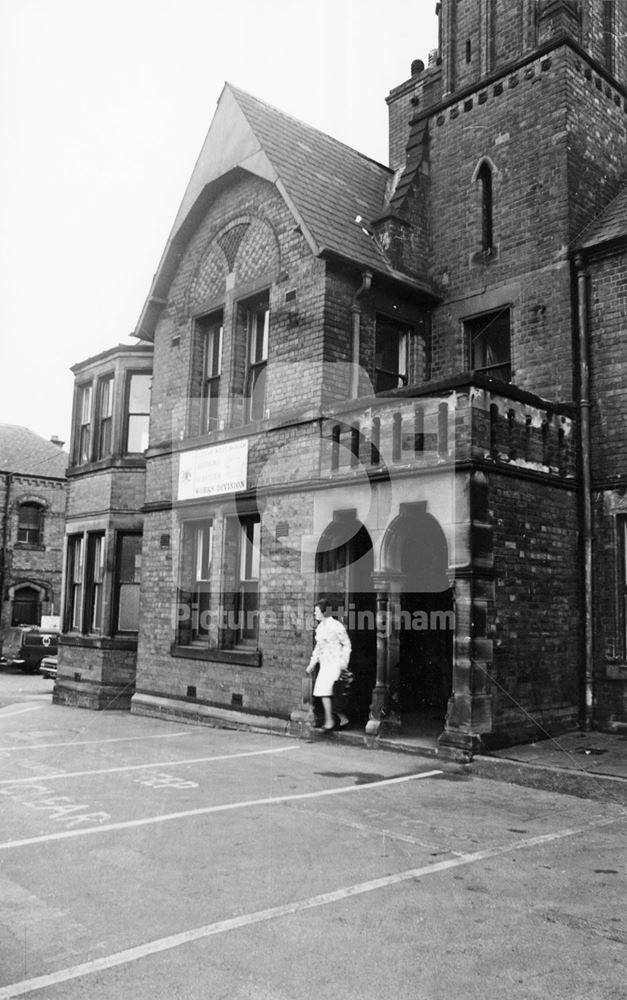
[
  {"x": 25, "y": 646},
  {"x": 48, "y": 667}
]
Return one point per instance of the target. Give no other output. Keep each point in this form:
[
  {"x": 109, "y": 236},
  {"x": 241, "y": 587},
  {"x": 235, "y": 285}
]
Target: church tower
[{"x": 510, "y": 141}]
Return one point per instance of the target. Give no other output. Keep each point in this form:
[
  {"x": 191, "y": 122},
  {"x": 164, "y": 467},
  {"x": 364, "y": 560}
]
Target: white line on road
[
  {"x": 85, "y": 743},
  {"x": 272, "y": 913},
  {"x": 143, "y": 767},
  {"x": 205, "y": 810},
  {"x": 6, "y": 714}
]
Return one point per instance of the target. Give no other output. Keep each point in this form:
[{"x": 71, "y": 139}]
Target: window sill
[
  {"x": 30, "y": 546},
  {"x": 97, "y": 641},
  {"x": 238, "y": 657}
]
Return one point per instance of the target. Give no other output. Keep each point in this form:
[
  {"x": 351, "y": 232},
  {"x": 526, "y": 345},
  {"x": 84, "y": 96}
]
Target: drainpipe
[
  {"x": 5, "y": 534},
  {"x": 366, "y": 282},
  {"x": 586, "y": 484}
]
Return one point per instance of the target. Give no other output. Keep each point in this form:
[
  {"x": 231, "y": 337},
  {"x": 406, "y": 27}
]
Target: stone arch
[
  {"x": 487, "y": 162},
  {"x": 415, "y": 581},
  {"x": 344, "y": 567},
  {"x": 28, "y": 598},
  {"x": 432, "y": 574}
]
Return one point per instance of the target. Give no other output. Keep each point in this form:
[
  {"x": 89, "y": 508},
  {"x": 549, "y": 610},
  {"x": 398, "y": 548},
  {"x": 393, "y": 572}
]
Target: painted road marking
[
  {"x": 7, "y": 714},
  {"x": 287, "y": 909},
  {"x": 204, "y": 811},
  {"x": 84, "y": 743},
  {"x": 141, "y": 767}
]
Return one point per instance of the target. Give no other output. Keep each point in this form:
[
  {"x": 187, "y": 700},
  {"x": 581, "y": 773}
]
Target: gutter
[{"x": 586, "y": 485}]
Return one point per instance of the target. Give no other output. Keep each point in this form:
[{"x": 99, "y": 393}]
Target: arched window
[
  {"x": 30, "y": 523},
  {"x": 484, "y": 179}
]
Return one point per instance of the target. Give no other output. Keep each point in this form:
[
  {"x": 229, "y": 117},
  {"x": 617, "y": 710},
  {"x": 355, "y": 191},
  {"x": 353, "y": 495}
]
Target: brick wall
[
  {"x": 521, "y": 129},
  {"x": 40, "y": 564},
  {"x": 284, "y": 630},
  {"x": 270, "y": 254},
  {"x": 535, "y": 621},
  {"x": 607, "y": 312}
]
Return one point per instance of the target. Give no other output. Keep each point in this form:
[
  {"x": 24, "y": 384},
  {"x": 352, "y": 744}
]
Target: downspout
[
  {"x": 366, "y": 282},
  {"x": 5, "y": 534},
  {"x": 586, "y": 484}
]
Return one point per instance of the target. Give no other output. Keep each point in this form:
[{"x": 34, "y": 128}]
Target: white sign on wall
[{"x": 208, "y": 472}]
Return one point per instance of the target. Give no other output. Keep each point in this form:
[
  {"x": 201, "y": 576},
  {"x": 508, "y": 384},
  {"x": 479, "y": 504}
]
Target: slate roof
[
  {"x": 610, "y": 225},
  {"x": 329, "y": 182},
  {"x": 24, "y": 452},
  {"x": 325, "y": 183}
]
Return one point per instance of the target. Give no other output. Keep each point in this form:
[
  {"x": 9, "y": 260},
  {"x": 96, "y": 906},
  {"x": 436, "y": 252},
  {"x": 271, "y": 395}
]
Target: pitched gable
[{"x": 325, "y": 184}]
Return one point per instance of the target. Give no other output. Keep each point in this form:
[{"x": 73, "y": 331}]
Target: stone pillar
[
  {"x": 469, "y": 712},
  {"x": 384, "y": 715},
  {"x": 381, "y": 692}
]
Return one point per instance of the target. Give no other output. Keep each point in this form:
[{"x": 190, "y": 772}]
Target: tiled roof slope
[
  {"x": 330, "y": 183},
  {"x": 324, "y": 183},
  {"x": 23, "y": 451},
  {"x": 610, "y": 225}
]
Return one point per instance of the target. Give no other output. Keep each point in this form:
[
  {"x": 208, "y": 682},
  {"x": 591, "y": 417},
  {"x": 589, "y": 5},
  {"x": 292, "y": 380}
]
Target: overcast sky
[{"x": 104, "y": 107}]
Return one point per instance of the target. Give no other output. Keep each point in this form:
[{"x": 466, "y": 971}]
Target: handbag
[{"x": 341, "y": 690}]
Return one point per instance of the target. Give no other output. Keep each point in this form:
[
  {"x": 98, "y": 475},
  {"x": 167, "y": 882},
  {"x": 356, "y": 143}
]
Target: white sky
[{"x": 104, "y": 107}]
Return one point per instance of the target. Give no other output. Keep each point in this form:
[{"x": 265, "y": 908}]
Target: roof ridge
[{"x": 312, "y": 128}]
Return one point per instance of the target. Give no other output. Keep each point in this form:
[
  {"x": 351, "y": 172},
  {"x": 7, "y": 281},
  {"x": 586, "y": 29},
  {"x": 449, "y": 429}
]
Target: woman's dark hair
[{"x": 323, "y": 604}]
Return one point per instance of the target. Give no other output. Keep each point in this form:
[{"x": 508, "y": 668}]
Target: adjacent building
[
  {"x": 103, "y": 528},
  {"x": 32, "y": 511},
  {"x": 401, "y": 386}
]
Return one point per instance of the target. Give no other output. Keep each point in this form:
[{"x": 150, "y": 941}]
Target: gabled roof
[
  {"x": 610, "y": 225},
  {"x": 324, "y": 183},
  {"x": 26, "y": 453}
]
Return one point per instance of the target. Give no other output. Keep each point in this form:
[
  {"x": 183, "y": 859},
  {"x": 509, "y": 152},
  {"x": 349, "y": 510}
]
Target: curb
[
  {"x": 548, "y": 778},
  {"x": 565, "y": 781}
]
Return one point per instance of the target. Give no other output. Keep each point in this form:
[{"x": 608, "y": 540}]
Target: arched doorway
[
  {"x": 422, "y": 622},
  {"x": 344, "y": 565},
  {"x": 26, "y": 606}
]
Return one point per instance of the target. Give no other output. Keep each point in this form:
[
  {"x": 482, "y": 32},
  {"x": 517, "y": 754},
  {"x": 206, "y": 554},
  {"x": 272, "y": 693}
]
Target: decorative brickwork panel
[
  {"x": 258, "y": 254},
  {"x": 209, "y": 282}
]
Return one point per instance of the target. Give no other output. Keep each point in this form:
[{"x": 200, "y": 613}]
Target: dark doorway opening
[
  {"x": 344, "y": 564},
  {"x": 425, "y": 622},
  {"x": 26, "y": 607}
]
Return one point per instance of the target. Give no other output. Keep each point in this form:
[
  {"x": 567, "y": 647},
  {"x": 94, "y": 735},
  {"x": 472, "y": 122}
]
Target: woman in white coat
[{"x": 332, "y": 651}]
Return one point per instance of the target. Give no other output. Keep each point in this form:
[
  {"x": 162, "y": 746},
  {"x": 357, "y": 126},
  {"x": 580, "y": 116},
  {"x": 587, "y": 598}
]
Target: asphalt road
[{"x": 146, "y": 859}]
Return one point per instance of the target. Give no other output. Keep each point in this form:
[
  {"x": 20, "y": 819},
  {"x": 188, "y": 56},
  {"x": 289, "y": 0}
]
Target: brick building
[
  {"x": 32, "y": 510},
  {"x": 403, "y": 387},
  {"x": 103, "y": 528}
]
